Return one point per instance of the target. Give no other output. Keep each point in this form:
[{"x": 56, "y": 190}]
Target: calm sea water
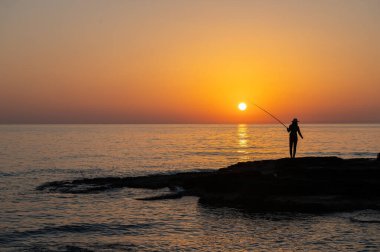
[{"x": 31, "y": 220}]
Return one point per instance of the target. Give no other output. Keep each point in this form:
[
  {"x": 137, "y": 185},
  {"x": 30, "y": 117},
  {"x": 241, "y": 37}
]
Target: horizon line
[{"x": 144, "y": 123}]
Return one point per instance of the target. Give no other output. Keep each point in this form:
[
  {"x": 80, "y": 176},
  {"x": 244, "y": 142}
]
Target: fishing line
[{"x": 278, "y": 120}]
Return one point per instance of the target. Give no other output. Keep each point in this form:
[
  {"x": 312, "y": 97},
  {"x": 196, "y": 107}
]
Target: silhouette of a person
[{"x": 293, "y": 138}]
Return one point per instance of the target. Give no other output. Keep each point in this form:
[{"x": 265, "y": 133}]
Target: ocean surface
[{"x": 114, "y": 220}]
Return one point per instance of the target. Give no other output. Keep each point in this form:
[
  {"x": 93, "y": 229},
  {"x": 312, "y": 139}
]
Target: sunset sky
[{"x": 174, "y": 61}]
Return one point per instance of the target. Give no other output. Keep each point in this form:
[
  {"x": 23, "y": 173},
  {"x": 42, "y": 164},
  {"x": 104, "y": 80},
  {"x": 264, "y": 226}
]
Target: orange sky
[{"x": 176, "y": 61}]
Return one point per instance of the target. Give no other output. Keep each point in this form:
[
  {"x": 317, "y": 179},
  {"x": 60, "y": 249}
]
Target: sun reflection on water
[{"x": 243, "y": 141}]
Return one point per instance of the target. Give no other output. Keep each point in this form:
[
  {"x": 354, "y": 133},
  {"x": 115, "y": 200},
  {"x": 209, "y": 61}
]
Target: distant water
[{"x": 115, "y": 221}]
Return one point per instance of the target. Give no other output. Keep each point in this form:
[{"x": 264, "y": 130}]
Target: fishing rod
[{"x": 278, "y": 120}]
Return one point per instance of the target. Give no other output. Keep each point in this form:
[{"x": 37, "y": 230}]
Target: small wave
[
  {"x": 106, "y": 229},
  {"x": 212, "y": 153},
  {"x": 80, "y": 247},
  {"x": 7, "y": 174},
  {"x": 66, "y": 248},
  {"x": 40, "y": 171},
  {"x": 366, "y": 217},
  {"x": 364, "y": 154},
  {"x": 169, "y": 172},
  {"x": 79, "y": 156},
  {"x": 60, "y": 171},
  {"x": 340, "y": 154},
  {"x": 318, "y": 153}
]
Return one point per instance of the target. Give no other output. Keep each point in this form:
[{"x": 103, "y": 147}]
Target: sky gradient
[{"x": 176, "y": 61}]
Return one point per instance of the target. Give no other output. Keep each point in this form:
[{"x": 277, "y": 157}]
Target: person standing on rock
[{"x": 293, "y": 138}]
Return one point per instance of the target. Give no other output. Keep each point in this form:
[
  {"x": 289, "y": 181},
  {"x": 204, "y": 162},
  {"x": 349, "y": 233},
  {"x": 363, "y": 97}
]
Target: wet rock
[{"x": 310, "y": 184}]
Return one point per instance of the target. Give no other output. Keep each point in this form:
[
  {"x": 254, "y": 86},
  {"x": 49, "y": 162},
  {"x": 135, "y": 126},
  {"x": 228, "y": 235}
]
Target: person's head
[{"x": 295, "y": 121}]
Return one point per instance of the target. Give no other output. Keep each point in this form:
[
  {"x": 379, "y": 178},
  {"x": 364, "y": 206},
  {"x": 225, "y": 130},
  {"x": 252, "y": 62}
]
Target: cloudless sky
[{"x": 176, "y": 61}]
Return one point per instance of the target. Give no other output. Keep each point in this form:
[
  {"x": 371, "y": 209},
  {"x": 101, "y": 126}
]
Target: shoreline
[{"x": 306, "y": 184}]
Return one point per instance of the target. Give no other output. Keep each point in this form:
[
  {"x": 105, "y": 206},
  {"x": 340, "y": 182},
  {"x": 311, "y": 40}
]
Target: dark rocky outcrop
[{"x": 310, "y": 184}]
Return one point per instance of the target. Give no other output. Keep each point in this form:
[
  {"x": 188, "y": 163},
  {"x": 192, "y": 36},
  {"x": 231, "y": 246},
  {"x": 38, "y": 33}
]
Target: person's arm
[
  {"x": 299, "y": 132},
  {"x": 288, "y": 128}
]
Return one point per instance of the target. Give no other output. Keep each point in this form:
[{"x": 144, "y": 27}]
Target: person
[{"x": 293, "y": 138}]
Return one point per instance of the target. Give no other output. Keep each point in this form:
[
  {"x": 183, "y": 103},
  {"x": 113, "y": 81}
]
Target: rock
[{"x": 310, "y": 184}]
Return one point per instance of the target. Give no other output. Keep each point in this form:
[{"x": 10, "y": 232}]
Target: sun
[{"x": 242, "y": 106}]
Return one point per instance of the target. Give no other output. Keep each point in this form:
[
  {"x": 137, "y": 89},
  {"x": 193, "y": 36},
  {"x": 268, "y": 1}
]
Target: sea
[{"x": 114, "y": 220}]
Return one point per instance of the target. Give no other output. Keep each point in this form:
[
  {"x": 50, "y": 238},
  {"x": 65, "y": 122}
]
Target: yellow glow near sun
[{"x": 242, "y": 106}]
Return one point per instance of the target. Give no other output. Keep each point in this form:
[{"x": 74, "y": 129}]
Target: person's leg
[
  {"x": 295, "y": 148},
  {"x": 290, "y": 147}
]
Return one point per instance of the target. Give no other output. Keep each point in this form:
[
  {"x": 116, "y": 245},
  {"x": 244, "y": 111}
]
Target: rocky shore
[{"x": 309, "y": 184}]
